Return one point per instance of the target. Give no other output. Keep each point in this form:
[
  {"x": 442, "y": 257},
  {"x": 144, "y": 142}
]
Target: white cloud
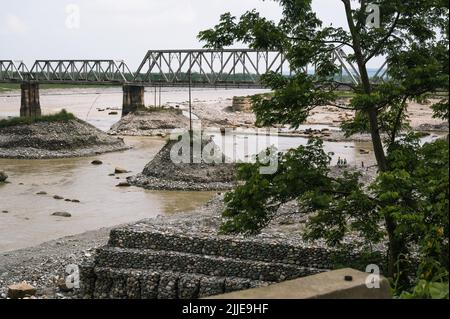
[
  {"x": 13, "y": 25},
  {"x": 137, "y": 14},
  {"x": 125, "y": 29}
]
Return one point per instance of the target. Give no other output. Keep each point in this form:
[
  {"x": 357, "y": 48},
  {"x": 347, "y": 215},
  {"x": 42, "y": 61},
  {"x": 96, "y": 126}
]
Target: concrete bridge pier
[
  {"x": 133, "y": 98},
  {"x": 30, "y": 105}
]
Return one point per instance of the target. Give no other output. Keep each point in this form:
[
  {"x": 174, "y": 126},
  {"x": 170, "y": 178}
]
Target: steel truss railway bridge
[{"x": 227, "y": 68}]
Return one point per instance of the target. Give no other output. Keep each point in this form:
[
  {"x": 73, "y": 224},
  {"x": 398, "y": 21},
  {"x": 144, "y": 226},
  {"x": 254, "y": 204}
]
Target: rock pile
[
  {"x": 152, "y": 122},
  {"x": 163, "y": 173},
  {"x": 72, "y": 138}
]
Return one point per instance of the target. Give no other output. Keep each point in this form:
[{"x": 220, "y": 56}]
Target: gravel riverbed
[{"x": 43, "y": 266}]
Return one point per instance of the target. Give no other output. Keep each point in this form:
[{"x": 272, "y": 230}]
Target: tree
[{"x": 413, "y": 38}]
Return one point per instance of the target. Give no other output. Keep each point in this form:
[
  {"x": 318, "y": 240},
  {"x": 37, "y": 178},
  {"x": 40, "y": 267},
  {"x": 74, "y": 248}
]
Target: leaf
[{"x": 439, "y": 290}]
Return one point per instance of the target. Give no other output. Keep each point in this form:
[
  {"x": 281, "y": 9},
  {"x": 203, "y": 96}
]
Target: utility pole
[
  {"x": 190, "y": 98},
  {"x": 191, "y": 132}
]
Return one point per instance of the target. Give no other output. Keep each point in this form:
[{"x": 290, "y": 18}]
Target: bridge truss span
[
  {"x": 81, "y": 71},
  {"x": 13, "y": 71},
  {"x": 209, "y": 68}
]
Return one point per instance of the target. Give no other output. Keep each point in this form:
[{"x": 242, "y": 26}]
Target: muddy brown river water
[
  {"x": 27, "y": 221},
  {"x": 102, "y": 204}
]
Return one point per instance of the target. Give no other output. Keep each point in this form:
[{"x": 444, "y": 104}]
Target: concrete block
[{"x": 327, "y": 285}]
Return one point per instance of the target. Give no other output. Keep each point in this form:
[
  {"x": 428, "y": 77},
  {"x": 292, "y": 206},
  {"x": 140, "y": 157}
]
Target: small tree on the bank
[{"x": 408, "y": 203}]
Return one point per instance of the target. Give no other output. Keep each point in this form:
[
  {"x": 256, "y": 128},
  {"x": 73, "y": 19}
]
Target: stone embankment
[
  {"x": 183, "y": 256},
  {"x": 150, "y": 264}
]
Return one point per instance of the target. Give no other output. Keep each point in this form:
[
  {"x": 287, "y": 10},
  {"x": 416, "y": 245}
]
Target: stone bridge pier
[
  {"x": 133, "y": 98},
  {"x": 30, "y": 105}
]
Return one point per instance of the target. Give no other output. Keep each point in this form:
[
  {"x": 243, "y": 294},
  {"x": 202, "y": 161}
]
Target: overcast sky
[{"x": 120, "y": 29}]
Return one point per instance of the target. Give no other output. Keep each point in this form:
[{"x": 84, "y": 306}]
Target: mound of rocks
[
  {"x": 59, "y": 139},
  {"x": 194, "y": 174},
  {"x": 151, "y": 122}
]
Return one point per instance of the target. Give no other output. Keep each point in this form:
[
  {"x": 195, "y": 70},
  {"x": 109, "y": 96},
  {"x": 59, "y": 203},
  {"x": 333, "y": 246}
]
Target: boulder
[
  {"x": 21, "y": 290},
  {"x": 96, "y": 162},
  {"x": 123, "y": 184},
  {"x": 3, "y": 176},
  {"x": 363, "y": 151},
  {"x": 120, "y": 170},
  {"x": 62, "y": 214}
]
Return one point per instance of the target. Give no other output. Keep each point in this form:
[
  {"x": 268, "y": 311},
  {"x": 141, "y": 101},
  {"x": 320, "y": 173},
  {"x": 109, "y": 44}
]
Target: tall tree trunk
[
  {"x": 365, "y": 81},
  {"x": 395, "y": 244}
]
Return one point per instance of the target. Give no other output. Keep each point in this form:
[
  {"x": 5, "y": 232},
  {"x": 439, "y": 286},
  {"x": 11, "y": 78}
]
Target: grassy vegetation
[
  {"x": 62, "y": 116},
  {"x": 157, "y": 109},
  {"x": 345, "y": 94},
  {"x": 9, "y": 87}
]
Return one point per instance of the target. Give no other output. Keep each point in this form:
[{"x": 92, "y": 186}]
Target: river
[{"x": 28, "y": 220}]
